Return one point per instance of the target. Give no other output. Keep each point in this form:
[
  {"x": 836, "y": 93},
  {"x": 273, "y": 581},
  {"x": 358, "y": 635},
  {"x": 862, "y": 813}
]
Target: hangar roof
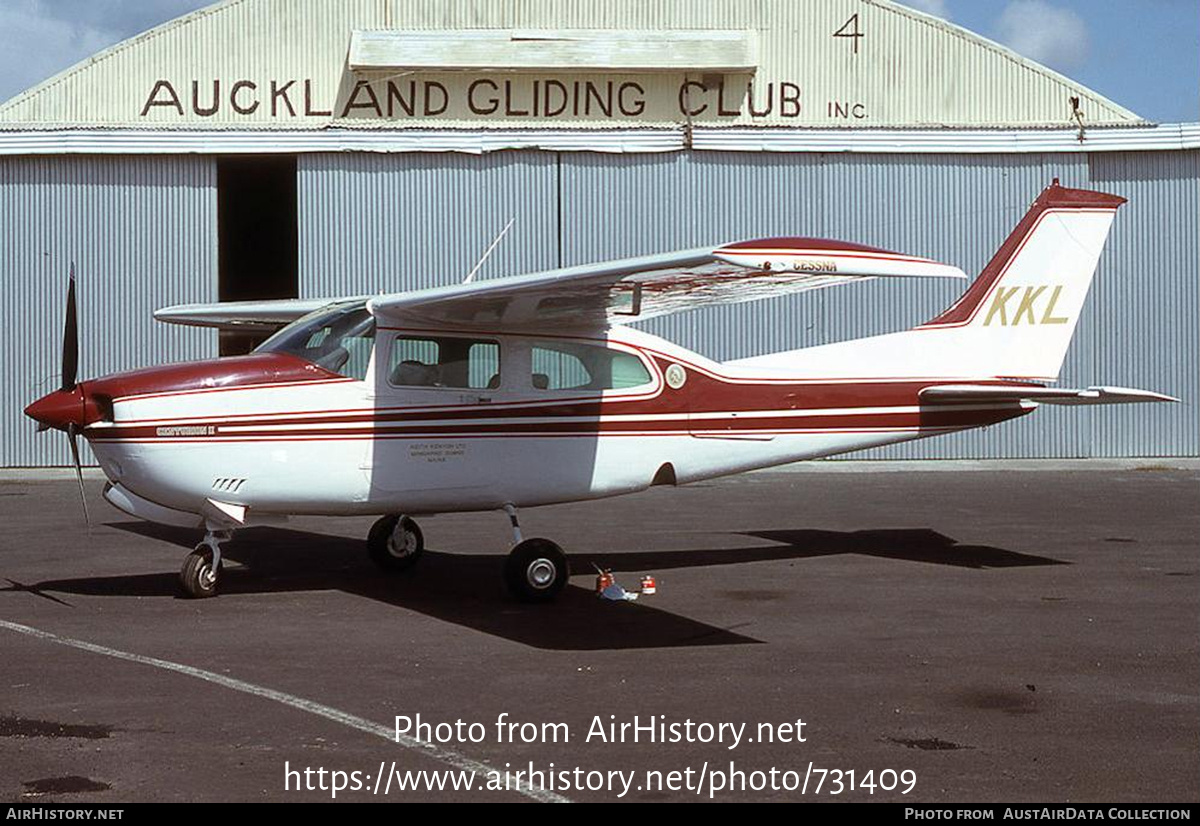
[{"x": 558, "y": 64}]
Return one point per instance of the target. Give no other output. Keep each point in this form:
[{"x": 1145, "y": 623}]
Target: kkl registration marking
[{"x": 1025, "y": 306}]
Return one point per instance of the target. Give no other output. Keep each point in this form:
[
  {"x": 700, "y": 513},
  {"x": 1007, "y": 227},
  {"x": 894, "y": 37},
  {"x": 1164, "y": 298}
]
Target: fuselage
[{"x": 432, "y": 421}]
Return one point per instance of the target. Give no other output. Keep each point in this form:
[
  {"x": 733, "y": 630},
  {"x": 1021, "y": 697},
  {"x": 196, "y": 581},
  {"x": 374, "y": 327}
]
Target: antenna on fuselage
[{"x": 486, "y": 253}]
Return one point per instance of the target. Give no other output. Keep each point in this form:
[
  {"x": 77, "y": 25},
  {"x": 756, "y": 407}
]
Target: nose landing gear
[{"x": 202, "y": 567}]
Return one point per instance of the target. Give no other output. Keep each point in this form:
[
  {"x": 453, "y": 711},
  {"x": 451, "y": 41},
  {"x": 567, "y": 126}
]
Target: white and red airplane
[{"x": 529, "y": 390}]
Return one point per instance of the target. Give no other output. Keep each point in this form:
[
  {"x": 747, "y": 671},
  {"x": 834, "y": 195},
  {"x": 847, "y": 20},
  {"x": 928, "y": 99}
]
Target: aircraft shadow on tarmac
[{"x": 467, "y": 590}]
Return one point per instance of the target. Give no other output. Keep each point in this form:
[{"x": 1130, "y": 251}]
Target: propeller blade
[
  {"x": 70, "y": 352},
  {"x": 73, "y": 437}
]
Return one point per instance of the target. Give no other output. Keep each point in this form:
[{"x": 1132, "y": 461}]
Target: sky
[{"x": 1143, "y": 54}]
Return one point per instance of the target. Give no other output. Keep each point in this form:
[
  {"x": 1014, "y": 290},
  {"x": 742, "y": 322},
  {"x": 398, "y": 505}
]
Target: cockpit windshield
[{"x": 338, "y": 337}]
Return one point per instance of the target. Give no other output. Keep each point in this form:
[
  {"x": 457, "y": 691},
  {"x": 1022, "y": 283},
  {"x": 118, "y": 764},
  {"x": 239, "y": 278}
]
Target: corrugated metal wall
[
  {"x": 142, "y": 232},
  {"x": 371, "y": 223},
  {"x": 368, "y": 219},
  {"x": 1146, "y": 311}
]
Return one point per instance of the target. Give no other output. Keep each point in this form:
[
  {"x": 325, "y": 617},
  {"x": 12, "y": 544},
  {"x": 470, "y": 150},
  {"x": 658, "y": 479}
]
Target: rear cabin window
[
  {"x": 445, "y": 362},
  {"x": 571, "y": 366}
]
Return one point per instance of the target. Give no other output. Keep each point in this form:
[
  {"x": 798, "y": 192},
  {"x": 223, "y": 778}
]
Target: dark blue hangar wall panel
[
  {"x": 141, "y": 232},
  {"x": 373, "y": 222}
]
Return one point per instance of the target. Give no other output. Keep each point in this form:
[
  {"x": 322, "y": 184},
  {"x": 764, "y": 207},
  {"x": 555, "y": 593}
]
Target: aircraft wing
[
  {"x": 595, "y": 296},
  {"x": 952, "y": 393},
  {"x": 254, "y": 316}
]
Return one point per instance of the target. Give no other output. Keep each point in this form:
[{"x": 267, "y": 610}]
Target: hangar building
[{"x": 271, "y": 148}]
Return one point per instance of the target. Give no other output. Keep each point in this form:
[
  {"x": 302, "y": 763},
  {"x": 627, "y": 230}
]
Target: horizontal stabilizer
[{"x": 952, "y": 393}]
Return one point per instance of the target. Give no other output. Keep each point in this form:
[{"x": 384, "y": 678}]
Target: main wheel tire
[
  {"x": 197, "y": 576},
  {"x": 395, "y": 543},
  {"x": 536, "y": 570}
]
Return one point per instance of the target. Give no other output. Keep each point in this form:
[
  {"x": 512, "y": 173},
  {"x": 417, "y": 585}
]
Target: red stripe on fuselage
[
  {"x": 713, "y": 405},
  {"x": 718, "y": 404}
]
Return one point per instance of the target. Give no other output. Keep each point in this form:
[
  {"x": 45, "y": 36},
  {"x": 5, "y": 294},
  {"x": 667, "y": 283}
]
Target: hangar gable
[{"x": 612, "y": 64}]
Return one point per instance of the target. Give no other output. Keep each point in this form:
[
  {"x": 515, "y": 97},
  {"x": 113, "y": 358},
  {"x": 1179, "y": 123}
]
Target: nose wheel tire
[
  {"x": 395, "y": 543},
  {"x": 198, "y": 578},
  {"x": 536, "y": 570}
]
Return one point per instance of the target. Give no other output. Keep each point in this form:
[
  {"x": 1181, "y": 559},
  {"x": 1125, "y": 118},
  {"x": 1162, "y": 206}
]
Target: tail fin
[
  {"x": 1020, "y": 313},
  {"x": 1014, "y": 321}
]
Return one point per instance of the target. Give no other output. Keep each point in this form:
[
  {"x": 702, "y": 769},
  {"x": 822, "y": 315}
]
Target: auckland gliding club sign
[{"x": 498, "y": 98}]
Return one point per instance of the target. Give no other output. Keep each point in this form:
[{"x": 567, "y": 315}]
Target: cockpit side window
[
  {"x": 337, "y": 338},
  {"x": 444, "y": 361}
]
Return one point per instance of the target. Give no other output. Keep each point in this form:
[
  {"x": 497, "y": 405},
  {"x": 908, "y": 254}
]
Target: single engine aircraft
[{"x": 530, "y": 390}]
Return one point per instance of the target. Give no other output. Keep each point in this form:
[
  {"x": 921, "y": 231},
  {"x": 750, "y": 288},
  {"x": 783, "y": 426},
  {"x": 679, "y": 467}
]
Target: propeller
[
  {"x": 73, "y": 438},
  {"x": 70, "y": 375},
  {"x": 70, "y": 353}
]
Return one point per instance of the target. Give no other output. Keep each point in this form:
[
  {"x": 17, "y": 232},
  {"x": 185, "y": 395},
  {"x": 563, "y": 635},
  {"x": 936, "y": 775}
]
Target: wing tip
[
  {"x": 169, "y": 315},
  {"x": 1134, "y": 393}
]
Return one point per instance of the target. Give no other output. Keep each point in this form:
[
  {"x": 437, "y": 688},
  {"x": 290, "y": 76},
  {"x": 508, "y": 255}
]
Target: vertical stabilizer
[
  {"x": 1014, "y": 321},
  {"x": 1020, "y": 313}
]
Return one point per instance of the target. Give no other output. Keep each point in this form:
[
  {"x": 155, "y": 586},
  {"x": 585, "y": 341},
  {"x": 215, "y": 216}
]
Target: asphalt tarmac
[{"x": 1020, "y": 634}]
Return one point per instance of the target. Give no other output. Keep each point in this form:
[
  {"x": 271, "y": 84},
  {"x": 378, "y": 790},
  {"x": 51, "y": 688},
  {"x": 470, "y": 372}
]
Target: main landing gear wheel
[
  {"x": 198, "y": 576},
  {"x": 395, "y": 543},
  {"x": 536, "y": 570}
]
